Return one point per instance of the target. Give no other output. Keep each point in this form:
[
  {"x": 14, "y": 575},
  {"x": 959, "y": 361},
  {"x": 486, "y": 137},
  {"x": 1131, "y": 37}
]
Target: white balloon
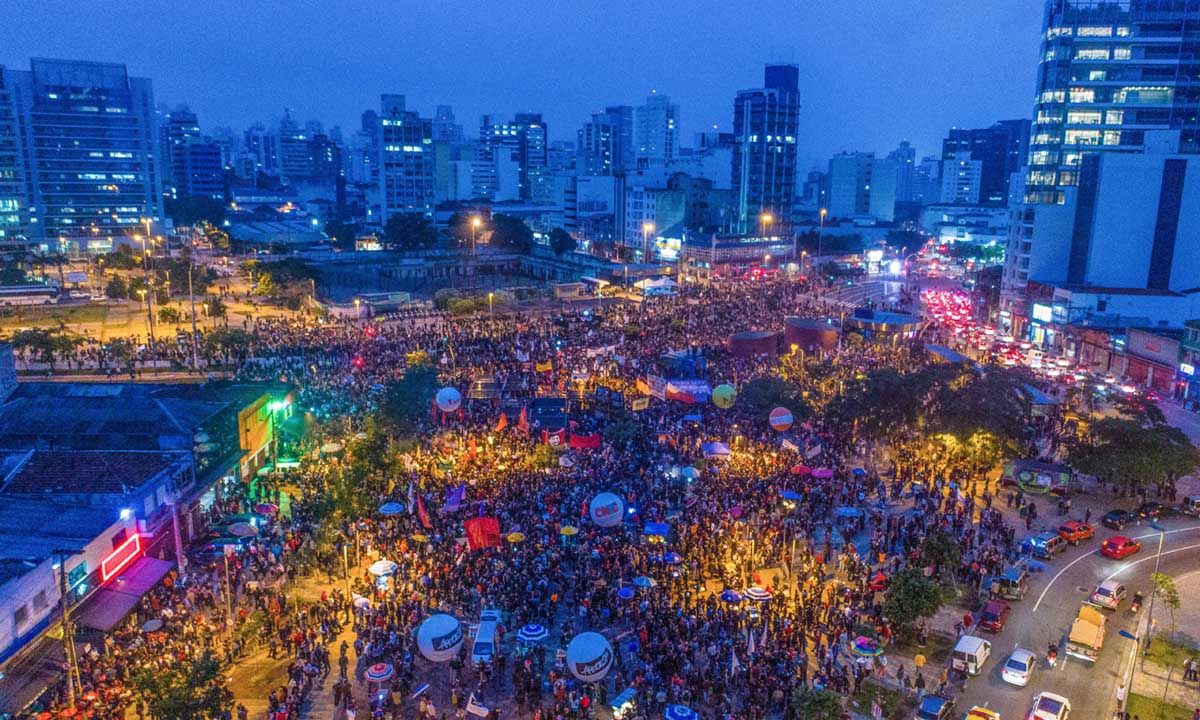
[
  {"x": 589, "y": 656},
  {"x": 448, "y": 399},
  {"x": 607, "y": 510},
  {"x": 440, "y": 637}
]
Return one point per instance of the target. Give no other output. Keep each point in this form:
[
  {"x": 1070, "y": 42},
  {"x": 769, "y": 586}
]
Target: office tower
[
  {"x": 523, "y": 141},
  {"x": 292, "y": 143},
  {"x": 1110, "y": 71},
  {"x": 262, "y": 147},
  {"x": 927, "y": 180},
  {"x": 1000, "y": 151},
  {"x": 324, "y": 159},
  {"x": 961, "y": 179},
  {"x": 764, "y": 153},
  {"x": 406, "y": 177},
  {"x": 605, "y": 143},
  {"x": 657, "y": 131},
  {"x": 881, "y": 192},
  {"x": 193, "y": 166},
  {"x": 90, "y": 151},
  {"x": 905, "y": 157},
  {"x": 445, "y": 130},
  {"x": 14, "y": 197},
  {"x": 850, "y": 184}
]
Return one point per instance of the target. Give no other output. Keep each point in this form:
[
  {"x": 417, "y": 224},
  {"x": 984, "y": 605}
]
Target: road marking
[
  {"x": 1090, "y": 554},
  {"x": 1152, "y": 557}
]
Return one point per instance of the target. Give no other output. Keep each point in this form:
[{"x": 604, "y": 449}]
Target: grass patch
[
  {"x": 1169, "y": 654},
  {"x": 936, "y": 651},
  {"x": 895, "y": 704},
  {"x": 1148, "y": 708},
  {"x": 53, "y": 315}
]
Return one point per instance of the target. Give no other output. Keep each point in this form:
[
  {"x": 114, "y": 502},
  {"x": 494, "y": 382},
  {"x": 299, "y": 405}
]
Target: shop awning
[{"x": 109, "y": 606}]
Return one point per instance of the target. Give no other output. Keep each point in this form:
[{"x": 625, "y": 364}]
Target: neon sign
[{"x": 120, "y": 558}]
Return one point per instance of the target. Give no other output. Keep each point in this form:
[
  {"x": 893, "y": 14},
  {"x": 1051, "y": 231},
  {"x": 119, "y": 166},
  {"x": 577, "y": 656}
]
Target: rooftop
[
  {"x": 98, "y": 472},
  {"x": 31, "y": 529}
]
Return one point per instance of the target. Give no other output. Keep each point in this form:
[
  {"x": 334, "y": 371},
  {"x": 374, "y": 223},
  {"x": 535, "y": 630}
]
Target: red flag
[
  {"x": 472, "y": 449},
  {"x": 585, "y": 442},
  {"x": 482, "y": 532},
  {"x": 423, "y": 515},
  {"x": 501, "y": 423},
  {"x": 523, "y": 422}
]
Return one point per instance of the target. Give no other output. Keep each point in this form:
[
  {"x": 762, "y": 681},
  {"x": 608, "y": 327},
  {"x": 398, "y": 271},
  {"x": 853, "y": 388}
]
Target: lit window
[
  {"x": 1092, "y": 54},
  {"x": 1083, "y": 95},
  {"x": 1082, "y": 137},
  {"x": 1112, "y": 137},
  {"x": 1084, "y": 117},
  {"x": 1094, "y": 32},
  {"x": 1114, "y": 117},
  {"x": 1122, "y": 53}
]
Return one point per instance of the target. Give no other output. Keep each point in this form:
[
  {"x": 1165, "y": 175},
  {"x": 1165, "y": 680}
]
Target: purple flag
[{"x": 454, "y": 498}]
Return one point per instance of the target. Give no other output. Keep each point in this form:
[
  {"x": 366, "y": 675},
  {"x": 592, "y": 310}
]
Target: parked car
[
  {"x": 1044, "y": 545},
  {"x": 1190, "y": 506},
  {"x": 1118, "y": 519},
  {"x": 1151, "y": 510},
  {"x": 1119, "y": 546},
  {"x": 1109, "y": 595},
  {"x": 1019, "y": 667},
  {"x": 1048, "y": 706},
  {"x": 935, "y": 707},
  {"x": 1012, "y": 584},
  {"x": 1074, "y": 531},
  {"x": 993, "y": 615}
]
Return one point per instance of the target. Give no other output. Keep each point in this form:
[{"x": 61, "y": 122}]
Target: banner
[
  {"x": 585, "y": 442},
  {"x": 423, "y": 515},
  {"x": 523, "y": 421},
  {"x": 454, "y": 498},
  {"x": 556, "y": 438},
  {"x": 501, "y": 423},
  {"x": 639, "y": 404},
  {"x": 482, "y": 532},
  {"x": 544, "y": 367},
  {"x": 476, "y": 708},
  {"x": 643, "y": 387},
  {"x": 656, "y": 386}
]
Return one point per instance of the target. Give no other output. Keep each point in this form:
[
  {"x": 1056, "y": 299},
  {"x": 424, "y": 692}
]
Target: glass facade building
[
  {"x": 14, "y": 211},
  {"x": 405, "y": 160},
  {"x": 764, "y": 152},
  {"x": 1111, "y": 70}
]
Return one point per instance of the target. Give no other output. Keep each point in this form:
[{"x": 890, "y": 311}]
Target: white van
[
  {"x": 970, "y": 654},
  {"x": 487, "y": 638}
]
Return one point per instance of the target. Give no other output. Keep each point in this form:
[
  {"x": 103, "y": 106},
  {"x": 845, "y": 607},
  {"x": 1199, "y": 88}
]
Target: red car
[
  {"x": 1074, "y": 531},
  {"x": 993, "y": 615},
  {"x": 1119, "y": 546}
]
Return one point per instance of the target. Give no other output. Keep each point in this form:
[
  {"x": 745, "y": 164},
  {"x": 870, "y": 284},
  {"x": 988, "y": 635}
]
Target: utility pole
[
  {"x": 192, "y": 300},
  {"x": 68, "y": 630}
]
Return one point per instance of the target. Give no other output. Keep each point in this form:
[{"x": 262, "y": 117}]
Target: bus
[{"x": 29, "y": 294}]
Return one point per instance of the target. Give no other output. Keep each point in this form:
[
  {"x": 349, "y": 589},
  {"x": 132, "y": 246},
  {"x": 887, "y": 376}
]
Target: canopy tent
[
  {"x": 715, "y": 449},
  {"x": 657, "y": 286},
  {"x": 109, "y": 606}
]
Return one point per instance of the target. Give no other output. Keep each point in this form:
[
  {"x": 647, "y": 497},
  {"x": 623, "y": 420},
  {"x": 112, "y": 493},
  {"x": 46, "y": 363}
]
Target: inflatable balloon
[
  {"x": 589, "y": 656},
  {"x": 440, "y": 637},
  {"x": 448, "y": 399},
  {"x": 607, "y": 510},
  {"x": 723, "y": 396},
  {"x": 780, "y": 418}
]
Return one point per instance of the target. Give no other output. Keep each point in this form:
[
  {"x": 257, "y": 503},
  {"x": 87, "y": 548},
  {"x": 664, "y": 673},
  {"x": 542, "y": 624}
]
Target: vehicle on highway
[
  {"x": 1109, "y": 595},
  {"x": 1190, "y": 506},
  {"x": 970, "y": 653},
  {"x": 1074, "y": 531},
  {"x": 1018, "y": 668},
  {"x": 1152, "y": 510},
  {"x": 981, "y": 713},
  {"x": 79, "y": 295},
  {"x": 1044, "y": 545},
  {"x": 1048, "y": 706},
  {"x": 1012, "y": 584},
  {"x": 993, "y": 615},
  {"x": 29, "y": 294},
  {"x": 1117, "y": 519},
  {"x": 1119, "y": 546},
  {"x": 1087, "y": 634},
  {"x": 935, "y": 707}
]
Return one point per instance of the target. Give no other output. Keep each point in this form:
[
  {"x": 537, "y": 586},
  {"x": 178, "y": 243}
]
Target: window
[
  {"x": 21, "y": 616},
  {"x": 1112, "y": 137},
  {"x": 1122, "y": 32},
  {"x": 1082, "y": 137},
  {"x": 1144, "y": 95},
  {"x": 39, "y": 600},
  {"x": 1097, "y": 75},
  {"x": 1124, "y": 52},
  {"x": 1114, "y": 117},
  {"x": 1091, "y": 54},
  {"x": 1084, "y": 117},
  {"x": 1051, "y": 96},
  {"x": 1083, "y": 95},
  {"x": 1094, "y": 32}
]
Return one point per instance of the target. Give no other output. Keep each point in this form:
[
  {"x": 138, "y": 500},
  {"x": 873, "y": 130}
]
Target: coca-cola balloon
[
  {"x": 589, "y": 656},
  {"x": 607, "y": 510},
  {"x": 440, "y": 637},
  {"x": 449, "y": 399}
]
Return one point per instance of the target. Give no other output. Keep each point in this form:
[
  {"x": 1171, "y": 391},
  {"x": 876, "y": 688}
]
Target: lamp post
[
  {"x": 1153, "y": 591},
  {"x": 647, "y": 228},
  {"x": 491, "y": 311},
  {"x": 357, "y": 307},
  {"x": 764, "y": 221},
  {"x": 820, "y": 237}
]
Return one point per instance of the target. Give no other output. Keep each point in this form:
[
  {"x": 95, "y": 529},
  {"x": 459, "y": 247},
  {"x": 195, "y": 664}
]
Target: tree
[
  {"x": 512, "y": 232},
  {"x": 905, "y": 239},
  {"x": 620, "y": 430},
  {"x": 193, "y": 690},
  {"x": 1133, "y": 452},
  {"x": 215, "y": 307},
  {"x": 459, "y": 229},
  {"x": 196, "y": 209},
  {"x": 561, "y": 241},
  {"x": 116, "y": 289},
  {"x": 45, "y": 345},
  {"x": 816, "y": 704},
  {"x": 265, "y": 287},
  {"x": 1168, "y": 594},
  {"x": 762, "y": 395},
  {"x": 343, "y": 235},
  {"x": 910, "y": 597},
  {"x": 942, "y": 552},
  {"x": 407, "y": 401},
  {"x": 228, "y": 343},
  {"x": 168, "y": 315},
  {"x": 409, "y": 231}
]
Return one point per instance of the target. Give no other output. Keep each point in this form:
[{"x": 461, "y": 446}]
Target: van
[
  {"x": 970, "y": 654},
  {"x": 1044, "y": 545},
  {"x": 1190, "y": 506},
  {"x": 487, "y": 638}
]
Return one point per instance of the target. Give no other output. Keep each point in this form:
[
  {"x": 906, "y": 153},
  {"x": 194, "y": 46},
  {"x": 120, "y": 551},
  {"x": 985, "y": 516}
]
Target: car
[
  {"x": 1018, "y": 668},
  {"x": 1151, "y": 395},
  {"x": 1117, "y": 519},
  {"x": 79, "y": 295},
  {"x": 1119, "y": 546},
  {"x": 981, "y": 713},
  {"x": 1044, "y": 545},
  {"x": 1048, "y": 706},
  {"x": 1190, "y": 506},
  {"x": 935, "y": 707},
  {"x": 1074, "y": 531},
  {"x": 1108, "y": 595},
  {"x": 993, "y": 615},
  {"x": 1150, "y": 510}
]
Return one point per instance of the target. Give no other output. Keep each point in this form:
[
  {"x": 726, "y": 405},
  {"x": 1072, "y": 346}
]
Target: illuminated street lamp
[
  {"x": 647, "y": 228},
  {"x": 476, "y": 223},
  {"x": 491, "y": 313},
  {"x": 764, "y": 221}
]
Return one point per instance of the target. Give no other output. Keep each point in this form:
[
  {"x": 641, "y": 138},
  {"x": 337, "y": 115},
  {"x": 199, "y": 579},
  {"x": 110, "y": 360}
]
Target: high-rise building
[
  {"x": 764, "y": 153},
  {"x": 524, "y": 140},
  {"x": 1110, "y": 70},
  {"x": 88, "y": 141},
  {"x": 605, "y": 142},
  {"x": 445, "y": 130},
  {"x": 193, "y": 165},
  {"x": 14, "y": 195},
  {"x": 850, "y": 184},
  {"x": 905, "y": 157},
  {"x": 1000, "y": 151},
  {"x": 657, "y": 131},
  {"x": 406, "y": 164},
  {"x": 292, "y": 143},
  {"x": 262, "y": 149},
  {"x": 961, "y": 179}
]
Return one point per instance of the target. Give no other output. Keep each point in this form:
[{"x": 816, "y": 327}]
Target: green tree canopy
[
  {"x": 762, "y": 395},
  {"x": 409, "y": 231},
  {"x": 1133, "y": 452},
  {"x": 561, "y": 241},
  {"x": 910, "y": 597},
  {"x": 407, "y": 401},
  {"x": 816, "y": 704},
  {"x": 192, "y": 690},
  {"x": 512, "y": 232}
]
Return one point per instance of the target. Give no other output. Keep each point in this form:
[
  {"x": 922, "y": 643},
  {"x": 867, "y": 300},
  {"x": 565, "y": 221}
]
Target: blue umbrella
[
  {"x": 391, "y": 508},
  {"x": 625, "y": 593},
  {"x": 643, "y": 582},
  {"x": 679, "y": 712},
  {"x": 859, "y": 471},
  {"x": 846, "y": 511},
  {"x": 731, "y": 596},
  {"x": 532, "y": 633},
  {"x": 690, "y": 473},
  {"x": 673, "y": 558},
  {"x": 790, "y": 495},
  {"x": 654, "y": 528}
]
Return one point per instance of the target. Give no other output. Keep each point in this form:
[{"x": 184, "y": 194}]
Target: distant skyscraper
[
  {"x": 14, "y": 195},
  {"x": 406, "y": 165},
  {"x": 1000, "y": 151},
  {"x": 764, "y": 153},
  {"x": 850, "y": 184},
  {"x": 1109, "y": 72},
  {"x": 605, "y": 143},
  {"x": 192, "y": 164},
  {"x": 445, "y": 130},
  {"x": 292, "y": 143},
  {"x": 88, "y": 141},
  {"x": 657, "y": 132},
  {"x": 524, "y": 141},
  {"x": 961, "y": 179},
  {"x": 905, "y": 157}
]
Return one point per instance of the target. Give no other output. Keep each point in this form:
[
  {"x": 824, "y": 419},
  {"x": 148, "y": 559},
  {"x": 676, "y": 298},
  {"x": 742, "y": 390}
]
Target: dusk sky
[{"x": 872, "y": 72}]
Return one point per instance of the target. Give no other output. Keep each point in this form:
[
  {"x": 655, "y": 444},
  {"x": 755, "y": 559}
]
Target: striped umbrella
[
  {"x": 680, "y": 712},
  {"x": 382, "y": 567},
  {"x": 380, "y": 672},
  {"x": 391, "y": 508},
  {"x": 532, "y": 633},
  {"x": 757, "y": 594}
]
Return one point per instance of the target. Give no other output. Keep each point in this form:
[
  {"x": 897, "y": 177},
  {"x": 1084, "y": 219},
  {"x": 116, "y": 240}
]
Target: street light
[
  {"x": 491, "y": 313},
  {"x": 820, "y": 236},
  {"x": 1153, "y": 590},
  {"x": 357, "y": 307},
  {"x": 476, "y": 222},
  {"x": 764, "y": 221},
  {"x": 647, "y": 228}
]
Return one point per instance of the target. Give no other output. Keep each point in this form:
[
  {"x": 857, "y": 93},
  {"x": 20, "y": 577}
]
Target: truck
[{"x": 1087, "y": 634}]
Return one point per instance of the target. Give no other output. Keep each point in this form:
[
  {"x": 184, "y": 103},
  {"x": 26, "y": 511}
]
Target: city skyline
[{"x": 245, "y": 71}]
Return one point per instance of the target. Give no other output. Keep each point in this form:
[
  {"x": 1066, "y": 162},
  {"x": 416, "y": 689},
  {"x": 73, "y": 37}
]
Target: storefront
[{"x": 1152, "y": 360}]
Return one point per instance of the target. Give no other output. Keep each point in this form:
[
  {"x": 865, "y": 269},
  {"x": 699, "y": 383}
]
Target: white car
[
  {"x": 1049, "y": 706},
  {"x": 1019, "y": 667},
  {"x": 1109, "y": 595}
]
